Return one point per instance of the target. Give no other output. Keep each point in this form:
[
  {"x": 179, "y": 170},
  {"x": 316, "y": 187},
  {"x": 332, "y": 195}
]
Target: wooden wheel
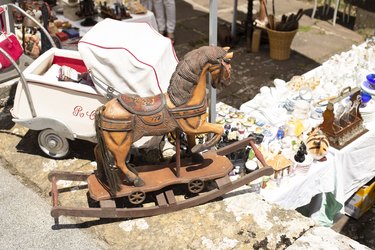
[
  {"x": 137, "y": 197},
  {"x": 196, "y": 186}
]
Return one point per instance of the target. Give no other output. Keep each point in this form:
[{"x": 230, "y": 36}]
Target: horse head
[
  {"x": 220, "y": 71},
  {"x": 192, "y": 69}
]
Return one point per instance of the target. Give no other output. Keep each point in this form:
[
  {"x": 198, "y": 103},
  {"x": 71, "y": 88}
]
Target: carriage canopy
[{"x": 132, "y": 58}]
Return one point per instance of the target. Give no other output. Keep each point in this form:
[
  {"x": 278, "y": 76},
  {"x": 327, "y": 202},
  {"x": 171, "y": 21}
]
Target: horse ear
[{"x": 229, "y": 55}]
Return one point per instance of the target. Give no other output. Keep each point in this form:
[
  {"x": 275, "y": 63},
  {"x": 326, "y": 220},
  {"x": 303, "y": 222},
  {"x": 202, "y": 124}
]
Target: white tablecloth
[
  {"x": 355, "y": 164},
  {"x": 297, "y": 190},
  {"x": 345, "y": 170},
  {"x": 141, "y": 18}
]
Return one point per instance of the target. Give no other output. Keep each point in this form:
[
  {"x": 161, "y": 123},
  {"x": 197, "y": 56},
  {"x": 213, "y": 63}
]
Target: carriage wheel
[
  {"x": 53, "y": 144},
  {"x": 196, "y": 186},
  {"x": 137, "y": 197}
]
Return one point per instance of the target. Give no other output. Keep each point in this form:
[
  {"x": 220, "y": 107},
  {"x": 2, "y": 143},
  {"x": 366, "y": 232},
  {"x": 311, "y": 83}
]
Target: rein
[
  {"x": 223, "y": 65},
  {"x": 190, "y": 111}
]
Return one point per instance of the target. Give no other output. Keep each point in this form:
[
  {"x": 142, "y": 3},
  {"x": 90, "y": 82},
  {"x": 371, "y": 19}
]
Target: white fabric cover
[{"x": 132, "y": 58}]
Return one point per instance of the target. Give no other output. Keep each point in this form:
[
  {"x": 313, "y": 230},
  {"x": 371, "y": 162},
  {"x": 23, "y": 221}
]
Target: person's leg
[
  {"x": 159, "y": 14},
  {"x": 262, "y": 10},
  {"x": 147, "y": 4},
  {"x": 170, "y": 10}
]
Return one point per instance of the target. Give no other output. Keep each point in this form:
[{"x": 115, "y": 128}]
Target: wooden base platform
[
  {"x": 215, "y": 166},
  {"x": 157, "y": 177}
]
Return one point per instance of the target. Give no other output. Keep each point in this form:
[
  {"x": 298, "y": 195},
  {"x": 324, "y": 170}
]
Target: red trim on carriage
[
  {"x": 76, "y": 64},
  {"x": 62, "y": 86}
]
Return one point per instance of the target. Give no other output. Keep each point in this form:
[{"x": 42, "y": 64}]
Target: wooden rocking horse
[{"x": 127, "y": 118}]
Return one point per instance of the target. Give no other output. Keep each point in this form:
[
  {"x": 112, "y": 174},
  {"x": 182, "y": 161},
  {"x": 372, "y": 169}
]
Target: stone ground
[
  {"x": 32, "y": 224},
  {"x": 361, "y": 230},
  {"x": 315, "y": 42},
  {"x": 240, "y": 220}
]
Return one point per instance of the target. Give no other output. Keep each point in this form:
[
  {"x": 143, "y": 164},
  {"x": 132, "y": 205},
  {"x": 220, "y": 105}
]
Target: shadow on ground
[
  {"x": 250, "y": 71},
  {"x": 342, "y": 19},
  {"x": 77, "y": 149},
  {"x": 362, "y": 230}
]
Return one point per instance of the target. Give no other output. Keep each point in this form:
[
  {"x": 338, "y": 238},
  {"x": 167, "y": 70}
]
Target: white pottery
[
  {"x": 251, "y": 165},
  {"x": 303, "y": 167}
]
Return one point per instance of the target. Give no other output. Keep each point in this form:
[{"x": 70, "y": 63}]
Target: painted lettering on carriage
[
  {"x": 91, "y": 115},
  {"x": 79, "y": 112}
]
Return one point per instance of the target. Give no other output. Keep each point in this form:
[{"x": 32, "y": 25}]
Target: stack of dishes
[
  {"x": 368, "y": 111},
  {"x": 369, "y": 84},
  {"x": 368, "y": 104}
]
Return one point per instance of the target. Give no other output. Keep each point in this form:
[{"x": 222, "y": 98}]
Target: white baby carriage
[{"x": 119, "y": 57}]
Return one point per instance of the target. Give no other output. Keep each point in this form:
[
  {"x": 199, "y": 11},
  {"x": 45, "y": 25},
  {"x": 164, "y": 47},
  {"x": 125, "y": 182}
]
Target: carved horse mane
[{"x": 187, "y": 72}]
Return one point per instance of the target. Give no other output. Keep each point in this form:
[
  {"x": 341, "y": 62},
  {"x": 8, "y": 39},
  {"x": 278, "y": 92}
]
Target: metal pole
[
  {"x": 212, "y": 42},
  {"x": 249, "y": 23},
  {"x": 178, "y": 153},
  {"x": 9, "y": 21},
  {"x": 234, "y": 21}
]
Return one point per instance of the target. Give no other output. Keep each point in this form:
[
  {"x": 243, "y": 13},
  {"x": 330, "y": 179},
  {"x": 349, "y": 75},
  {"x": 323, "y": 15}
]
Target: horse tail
[{"x": 107, "y": 172}]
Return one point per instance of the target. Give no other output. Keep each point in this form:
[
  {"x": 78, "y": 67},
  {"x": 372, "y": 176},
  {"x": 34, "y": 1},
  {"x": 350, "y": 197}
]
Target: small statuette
[{"x": 300, "y": 155}]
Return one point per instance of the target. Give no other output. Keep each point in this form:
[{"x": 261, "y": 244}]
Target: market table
[
  {"x": 138, "y": 18},
  {"x": 344, "y": 172},
  {"x": 323, "y": 190}
]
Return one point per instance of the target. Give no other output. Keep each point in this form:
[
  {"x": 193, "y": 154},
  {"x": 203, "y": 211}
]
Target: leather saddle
[
  {"x": 142, "y": 105},
  {"x": 148, "y": 109}
]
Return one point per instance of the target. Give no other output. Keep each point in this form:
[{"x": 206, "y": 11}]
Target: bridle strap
[{"x": 224, "y": 65}]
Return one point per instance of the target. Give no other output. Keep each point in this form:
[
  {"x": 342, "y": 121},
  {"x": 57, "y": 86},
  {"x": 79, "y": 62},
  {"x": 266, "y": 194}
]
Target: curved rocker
[{"x": 127, "y": 118}]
